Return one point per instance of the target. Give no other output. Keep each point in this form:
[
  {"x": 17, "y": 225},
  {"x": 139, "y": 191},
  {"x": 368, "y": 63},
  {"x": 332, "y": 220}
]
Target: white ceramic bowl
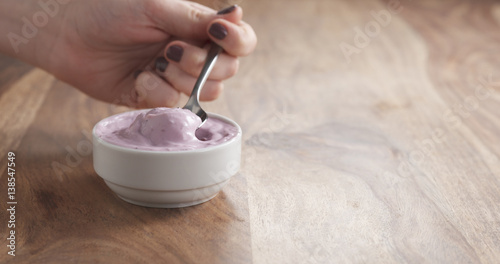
[{"x": 167, "y": 179}]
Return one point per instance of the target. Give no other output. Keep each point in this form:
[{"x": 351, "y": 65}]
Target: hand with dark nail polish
[{"x": 111, "y": 56}]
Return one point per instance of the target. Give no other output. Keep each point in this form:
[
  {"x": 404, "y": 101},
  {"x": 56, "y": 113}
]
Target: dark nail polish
[
  {"x": 218, "y": 31},
  {"x": 227, "y": 10},
  {"x": 136, "y": 73},
  {"x": 161, "y": 64},
  {"x": 175, "y": 52}
]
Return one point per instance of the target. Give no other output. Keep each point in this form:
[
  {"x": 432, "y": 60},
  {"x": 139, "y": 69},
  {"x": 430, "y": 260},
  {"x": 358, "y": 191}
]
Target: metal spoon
[{"x": 193, "y": 103}]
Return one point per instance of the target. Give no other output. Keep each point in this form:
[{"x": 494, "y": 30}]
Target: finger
[
  {"x": 180, "y": 18},
  {"x": 184, "y": 83},
  {"x": 236, "y": 39},
  {"x": 191, "y": 59},
  {"x": 152, "y": 91}
]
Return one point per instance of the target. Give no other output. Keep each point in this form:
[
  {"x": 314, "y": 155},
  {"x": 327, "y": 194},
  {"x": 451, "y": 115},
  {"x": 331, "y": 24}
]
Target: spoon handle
[{"x": 212, "y": 56}]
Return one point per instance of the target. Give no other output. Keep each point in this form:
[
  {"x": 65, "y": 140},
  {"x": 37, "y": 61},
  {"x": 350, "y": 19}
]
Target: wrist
[{"x": 29, "y": 28}]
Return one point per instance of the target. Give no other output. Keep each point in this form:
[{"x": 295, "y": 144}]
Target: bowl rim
[{"x": 167, "y": 152}]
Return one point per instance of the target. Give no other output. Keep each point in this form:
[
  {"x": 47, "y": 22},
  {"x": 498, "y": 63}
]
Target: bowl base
[
  {"x": 166, "y": 205},
  {"x": 166, "y": 199}
]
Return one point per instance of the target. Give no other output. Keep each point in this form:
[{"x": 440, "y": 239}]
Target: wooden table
[{"x": 371, "y": 135}]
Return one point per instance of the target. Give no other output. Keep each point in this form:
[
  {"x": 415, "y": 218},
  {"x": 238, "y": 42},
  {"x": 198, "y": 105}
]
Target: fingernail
[
  {"x": 175, "y": 52},
  {"x": 227, "y": 10},
  {"x": 218, "y": 31},
  {"x": 136, "y": 73},
  {"x": 161, "y": 64}
]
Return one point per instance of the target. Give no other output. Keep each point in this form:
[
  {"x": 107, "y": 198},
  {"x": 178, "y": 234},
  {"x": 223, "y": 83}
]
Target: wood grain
[
  {"x": 388, "y": 155},
  {"x": 14, "y": 122}
]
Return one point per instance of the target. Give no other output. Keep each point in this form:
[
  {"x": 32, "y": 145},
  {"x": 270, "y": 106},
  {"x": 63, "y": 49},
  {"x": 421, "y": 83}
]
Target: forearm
[{"x": 28, "y": 28}]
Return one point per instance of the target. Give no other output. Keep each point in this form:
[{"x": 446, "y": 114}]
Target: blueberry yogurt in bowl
[{"x": 162, "y": 157}]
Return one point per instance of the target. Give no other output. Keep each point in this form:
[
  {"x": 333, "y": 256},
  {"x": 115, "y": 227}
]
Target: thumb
[{"x": 182, "y": 19}]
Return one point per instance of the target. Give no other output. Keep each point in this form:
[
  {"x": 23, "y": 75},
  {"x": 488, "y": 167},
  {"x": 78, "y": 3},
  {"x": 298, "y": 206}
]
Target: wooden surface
[{"x": 388, "y": 155}]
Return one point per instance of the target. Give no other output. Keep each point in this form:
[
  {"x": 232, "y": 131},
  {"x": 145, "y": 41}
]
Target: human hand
[{"x": 102, "y": 47}]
